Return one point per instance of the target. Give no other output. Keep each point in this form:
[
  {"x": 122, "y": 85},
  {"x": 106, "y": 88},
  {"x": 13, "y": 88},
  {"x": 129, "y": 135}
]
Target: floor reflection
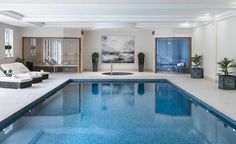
[{"x": 171, "y": 101}]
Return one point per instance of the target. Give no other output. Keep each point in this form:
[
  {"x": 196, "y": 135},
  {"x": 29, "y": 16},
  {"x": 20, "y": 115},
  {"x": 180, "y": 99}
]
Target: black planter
[
  {"x": 141, "y": 58},
  {"x": 227, "y": 82},
  {"x": 95, "y": 65},
  {"x": 141, "y": 67},
  {"x": 197, "y": 73}
]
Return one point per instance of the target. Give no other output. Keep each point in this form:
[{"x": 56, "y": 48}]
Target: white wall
[
  {"x": 91, "y": 42},
  {"x": 17, "y": 45},
  {"x": 173, "y": 32},
  {"x": 51, "y": 32},
  {"x": 226, "y": 39},
  {"x": 204, "y": 43},
  {"x": 163, "y": 32},
  {"x": 42, "y": 32},
  {"x": 215, "y": 41},
  {"x": 144, "y": 42},
  {"x": 72, "y": 32}
]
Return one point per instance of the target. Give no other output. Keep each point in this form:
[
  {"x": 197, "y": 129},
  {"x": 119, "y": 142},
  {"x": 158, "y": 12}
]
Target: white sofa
[
  {"x": 19, "y": 70},
  {"x": 14, "y": 82}
]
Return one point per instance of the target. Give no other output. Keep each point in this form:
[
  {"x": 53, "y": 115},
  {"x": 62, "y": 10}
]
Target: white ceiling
[{"x": 89, "y": 14}]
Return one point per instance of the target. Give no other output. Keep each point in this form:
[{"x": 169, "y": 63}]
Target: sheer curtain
[
  {"x": 9, "y": 41},
  {"x": 52, "y": 50}
]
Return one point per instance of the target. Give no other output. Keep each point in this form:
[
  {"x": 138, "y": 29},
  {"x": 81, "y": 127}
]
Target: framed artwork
[{"x": 118, "y": 49}]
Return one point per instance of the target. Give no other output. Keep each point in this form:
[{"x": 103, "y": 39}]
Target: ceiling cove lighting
[
  {"x": 206, "y": 17},
  {"x": 186, "y": 24},
  {"x": 12, "y": 14},
  {"x": 40, "y": 24},
  {"x": 114, "y": 25}
]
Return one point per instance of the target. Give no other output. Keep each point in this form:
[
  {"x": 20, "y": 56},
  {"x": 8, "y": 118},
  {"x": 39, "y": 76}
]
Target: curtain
[{"x": 52, "y": 50}]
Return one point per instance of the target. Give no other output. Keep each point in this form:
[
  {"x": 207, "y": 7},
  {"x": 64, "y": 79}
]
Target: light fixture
[
  {"x": 113, "y": 25},
  {"x": 40, "y": 24},
  {"x": 205, "y": 17},
  {"x": 8, "y": 129},
  {"x": 186, "y": 24}
]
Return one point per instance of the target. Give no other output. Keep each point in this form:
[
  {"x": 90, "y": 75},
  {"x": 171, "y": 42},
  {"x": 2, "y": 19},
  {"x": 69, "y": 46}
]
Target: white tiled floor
[{"x": 225, "y": 101}]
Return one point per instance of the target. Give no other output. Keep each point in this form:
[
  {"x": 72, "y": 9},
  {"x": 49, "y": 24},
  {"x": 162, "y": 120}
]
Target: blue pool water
[{"x": 119, "y": 113}]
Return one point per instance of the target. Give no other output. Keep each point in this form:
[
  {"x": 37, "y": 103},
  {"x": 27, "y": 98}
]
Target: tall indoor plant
[
  {"x": 196, "y": 70},
  {"x": 141, "y": 58},
  {"x": 95, "y": 57},
  {"x": 226, "y": 81}
]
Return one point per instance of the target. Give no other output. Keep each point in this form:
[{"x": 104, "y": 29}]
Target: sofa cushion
[
  {"x": 16, "y": 68},
  {"x": 28, "y": 76},
  {"x": 2, "y": 74},
  {"x": 17, "y": 80}
]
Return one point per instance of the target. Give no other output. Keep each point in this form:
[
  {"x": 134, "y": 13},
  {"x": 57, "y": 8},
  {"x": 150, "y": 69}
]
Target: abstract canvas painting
[{"x": 118, "y": 49}]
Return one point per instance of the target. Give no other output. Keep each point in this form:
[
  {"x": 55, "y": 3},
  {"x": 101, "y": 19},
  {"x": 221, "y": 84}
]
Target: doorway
[{"x": 173, "y": 54}]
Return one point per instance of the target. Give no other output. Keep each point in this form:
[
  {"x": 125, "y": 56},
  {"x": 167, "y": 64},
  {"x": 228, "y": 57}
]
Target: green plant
[
  {"x": 8, "y": 47},
  {"x": 8, "y": 73},
  {"x": 225, "y": 64},
  {"x": 141, "y": 57},
  {"x": 21, "y": 60},
  {"x": 95, "y": 55},
  {"x": 196, "y": 60}
]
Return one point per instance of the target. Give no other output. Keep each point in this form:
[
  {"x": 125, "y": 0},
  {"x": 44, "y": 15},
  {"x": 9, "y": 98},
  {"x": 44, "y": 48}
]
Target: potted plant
[
  {"x": 8, "y": 49},
  {"x": 196, "y": 70},
  {"x": 95, "y": 57},
  {"x": 20, "y": 60},
  {"x": 226, "y": 81},
  {"x": 141, "y": 57}
]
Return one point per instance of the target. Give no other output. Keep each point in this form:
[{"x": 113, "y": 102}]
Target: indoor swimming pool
[{"x": 121, "y": 112}]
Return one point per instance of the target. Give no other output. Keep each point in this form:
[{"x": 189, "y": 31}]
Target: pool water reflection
[{"x": 132, "y": 113}]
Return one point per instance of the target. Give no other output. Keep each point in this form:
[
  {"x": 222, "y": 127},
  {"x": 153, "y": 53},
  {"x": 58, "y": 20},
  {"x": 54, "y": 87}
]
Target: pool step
[
  {"x": 74, "y": 136},
  {"x": 101, "y": 136}
]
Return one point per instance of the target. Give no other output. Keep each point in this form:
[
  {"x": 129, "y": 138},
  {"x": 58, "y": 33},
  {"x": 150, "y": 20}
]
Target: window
[
  {"x": 8, "y": 43},
  {"x": 52, "y": 51}
]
